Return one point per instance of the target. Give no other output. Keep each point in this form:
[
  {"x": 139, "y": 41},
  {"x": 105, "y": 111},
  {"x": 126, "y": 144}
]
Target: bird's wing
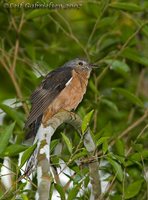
[{"x": 50, "y": 88}]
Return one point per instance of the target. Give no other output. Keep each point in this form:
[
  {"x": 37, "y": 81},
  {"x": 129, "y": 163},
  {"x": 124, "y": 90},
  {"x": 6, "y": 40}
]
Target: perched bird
[{"x": 61, "y": 89}]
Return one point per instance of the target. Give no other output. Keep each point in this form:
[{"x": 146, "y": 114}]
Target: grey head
[{"x": 79, "y": 64}]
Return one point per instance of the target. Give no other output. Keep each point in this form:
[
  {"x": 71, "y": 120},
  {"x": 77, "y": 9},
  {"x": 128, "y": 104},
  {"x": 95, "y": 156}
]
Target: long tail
[
  {"x": 33, "y": 128},
  {"x": 43, "y": 139},
  {"x": 31, "y": 163}
]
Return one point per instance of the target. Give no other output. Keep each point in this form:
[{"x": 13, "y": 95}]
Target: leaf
[
  {"x": 14, "y": 149},
  {"x": 133, "y": 189},
  {"x": 5, "y": 136},
  {"x": 145, "y": 30},
  {"x": 107, "y": 131},
  {"x": 135, "y": 56},
  {"x": 136, "y": 157},
  {"x": 55, "y": 160},
  {"x": 120, "y": 147},
  {"x": 86, "y": 121},
  {"x": 60, "y": 190},
  {"x": 30, "y": 50},
  {"x": 118, "y": 66},
  {"x": 117, "y": 168},
  {"x": 16, "y": 116},
  {"x": 37, "y": 13},
  {"x": 68, "y": 142},
  {"x": 86, "y": 181},
  {"x": 107, "y": 21},
  {"x": 120, "y": 159},
  {"x": 130, "y": 96},
  {"x": 26, "y": 155},
  {"x": 101, "y": 141},
  {"x": 126, "y": 6},
  {"x": 73, "y": 192},
  {"x": 93, "y": 87},
  {"x": 105, "y": 146},
  {"x": 53, "y": 144},
  {"x": 110, "y": 104},
  {"x": 23, "y": 196},
  {"x": 79, "y": 155}
]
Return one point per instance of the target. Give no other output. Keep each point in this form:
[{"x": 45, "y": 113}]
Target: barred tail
[
  {"x": 31, "y": 163},
  {"x": 43, "y": 134}
]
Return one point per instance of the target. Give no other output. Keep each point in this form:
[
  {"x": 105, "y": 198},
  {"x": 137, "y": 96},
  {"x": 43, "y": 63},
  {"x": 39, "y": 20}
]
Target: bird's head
[{"x": 79, "y": 64}]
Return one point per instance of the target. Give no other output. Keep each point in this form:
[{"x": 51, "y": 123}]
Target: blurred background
[{"x": 110, "y": 33}]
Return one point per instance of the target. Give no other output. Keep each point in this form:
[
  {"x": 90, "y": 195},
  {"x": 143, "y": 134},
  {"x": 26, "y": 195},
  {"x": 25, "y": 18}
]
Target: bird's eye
[{"x": 80, "y": 63}]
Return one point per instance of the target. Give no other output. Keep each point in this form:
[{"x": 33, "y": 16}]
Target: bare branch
[{"x": 43, "y": 138}]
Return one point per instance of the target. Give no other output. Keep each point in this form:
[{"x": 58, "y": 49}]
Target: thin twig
[
  {"x": 108, "y": 188},
  {"x": 11, "y": 67},
  {"x": 131, "y": 127},
  {"x": 17, "y": 41},
  {"x": 95, "y": 26},
  {"x": 15, "y": 56},
  {"x": 131, "y": 114},
  {"x": 121, "y": 50},
  {"x": 96, "y": 110},
  {"x": 4, "y": 65},
  {"x": 145, "y": 177},
  {"x": 134, "y": 125},
  {"x": 139, "y": 135},
  {"x": 70, "y": 34}
]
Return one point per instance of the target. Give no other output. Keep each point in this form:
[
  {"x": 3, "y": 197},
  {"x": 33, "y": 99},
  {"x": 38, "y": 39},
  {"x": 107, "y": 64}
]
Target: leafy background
[{"x": 114, "y": 35}]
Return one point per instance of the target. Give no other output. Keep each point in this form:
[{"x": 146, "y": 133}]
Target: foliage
[{"x": 110, "y": 33}]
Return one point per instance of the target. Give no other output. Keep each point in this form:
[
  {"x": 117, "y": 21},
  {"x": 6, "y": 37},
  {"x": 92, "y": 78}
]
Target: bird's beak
[{"x": 93, "y": 65}]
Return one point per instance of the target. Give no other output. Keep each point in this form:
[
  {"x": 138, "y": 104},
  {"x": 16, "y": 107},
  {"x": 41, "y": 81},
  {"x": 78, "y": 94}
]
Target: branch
[
  {"x": 93, "y": 166},
  {"x": 43, "y": 137}
]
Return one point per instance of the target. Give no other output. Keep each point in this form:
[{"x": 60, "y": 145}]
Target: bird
[{"x": 61, "y": 89}]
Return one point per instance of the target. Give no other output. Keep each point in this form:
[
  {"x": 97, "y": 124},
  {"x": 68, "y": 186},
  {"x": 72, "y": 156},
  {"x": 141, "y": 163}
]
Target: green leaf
[
  {"x": 14, "y": 149},
  {"x": 73, "y": 192},
  {"x": 118, "y": 66},
  {"x": 117, "y": 168},
  {"x": 79, "y": 155},
  {"x": 5, "y": 136},
  {"x": 110, "y": 104},
  {"x": 126, "y": 6},
  {"x": 120, "y": 147},
  {"x": 55, "y": 160},
  {"x": 30, "y": 50},
  {"x": 16, "y": 116},
  {"x": 60, "y": 190},
  {"x": 105, "y": 146},
  {"x": 120, "y": 159},
  {"x": 133, "y": 189},
  {"x": 68, "y": 142},
  {"x": 37, "y": 13},
  {"x": 93, "y": 87},
  {"x": 107, "y": 21},
  {"x": 53, "y": 145},
  {"x": 86, "y": 121},
  {"x": 145, "y": 30},
  {"x": 26, "y": 155},
  {"x": 130, "y": 96},
  {"x": 136, "y": 157},
  {"x": 101, "y": 141},
  {"x": 24, "y": 197},
  {"x": 135, "y": 56},
  {"x": 107, "y": 131}
]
